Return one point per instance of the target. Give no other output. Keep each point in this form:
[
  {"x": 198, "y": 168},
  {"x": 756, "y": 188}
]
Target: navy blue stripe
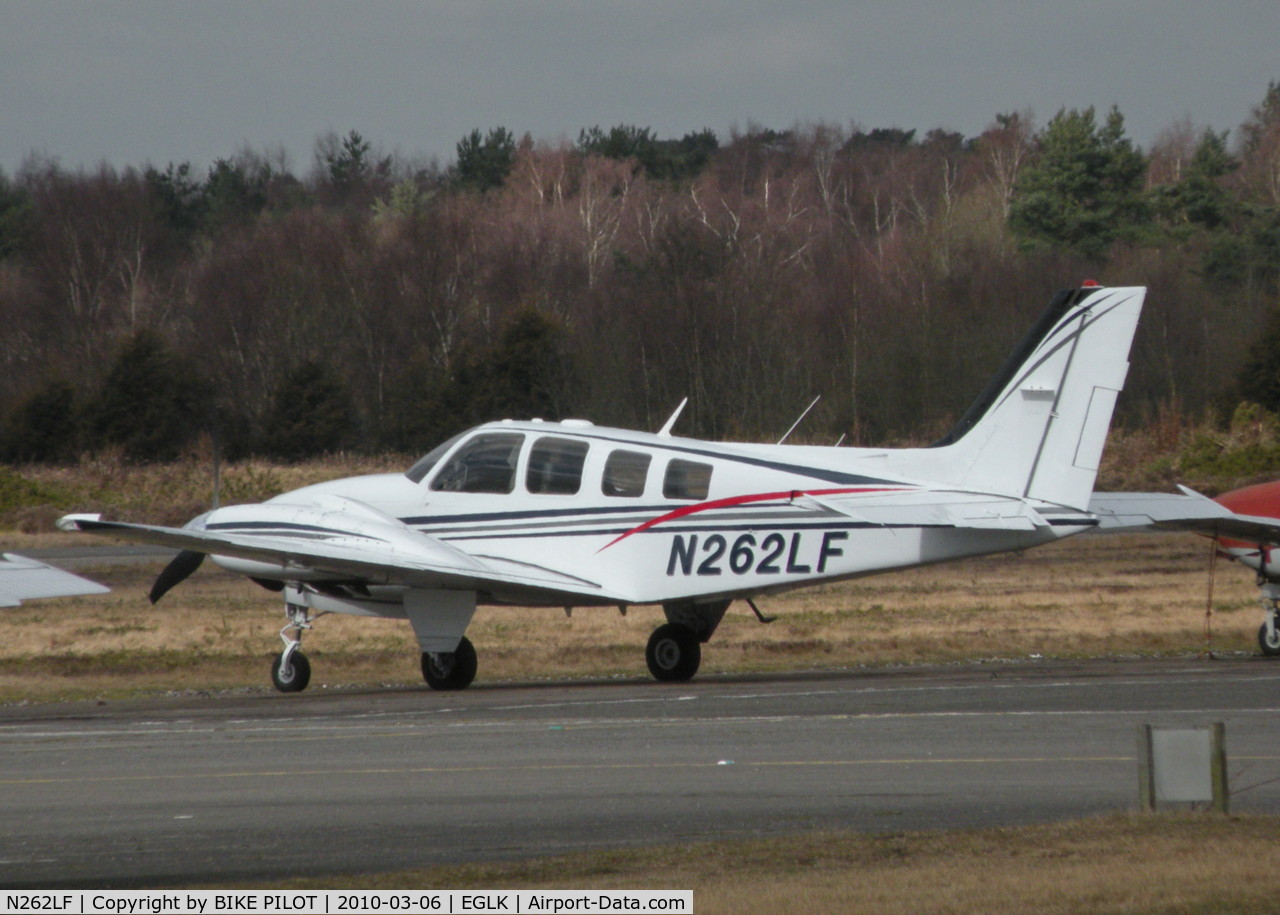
[
  {"x": 274, "y": 525},
  {"x": 285, "y": 529},
  {"x": 693, "y": 529},
  {"x": 536, "y": 513},
  {"x": 817, "y": 473},
  {"x": 709, "y": 518}
]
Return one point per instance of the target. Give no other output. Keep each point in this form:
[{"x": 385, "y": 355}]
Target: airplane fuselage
[
  {"x": 644, "y": 518},
  {"x": 1260, "y": 501}
]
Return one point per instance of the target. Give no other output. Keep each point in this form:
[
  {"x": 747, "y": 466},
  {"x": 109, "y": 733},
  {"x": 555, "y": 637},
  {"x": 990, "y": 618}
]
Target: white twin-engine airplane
[{"x": 571, "y": 514}]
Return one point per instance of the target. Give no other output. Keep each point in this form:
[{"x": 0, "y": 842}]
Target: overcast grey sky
[{"x": 135, "y": 81}]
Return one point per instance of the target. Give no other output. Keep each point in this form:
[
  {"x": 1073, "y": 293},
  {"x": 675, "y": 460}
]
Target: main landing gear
[
  {"x": 447, "y": 670},
  {"x": 674, "y": 651}
]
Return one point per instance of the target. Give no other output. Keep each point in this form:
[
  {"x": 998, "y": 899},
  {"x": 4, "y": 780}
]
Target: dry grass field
[
  {"x": 1089, "y": 596},
  {"x": 1118, "y": 864}
]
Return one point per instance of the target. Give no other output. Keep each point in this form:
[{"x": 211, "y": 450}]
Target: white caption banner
[{"x": 351, "y": 902}]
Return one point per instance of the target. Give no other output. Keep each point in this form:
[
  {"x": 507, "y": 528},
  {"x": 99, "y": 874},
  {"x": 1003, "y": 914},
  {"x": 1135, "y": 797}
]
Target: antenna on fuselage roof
[
  {"x": 799, "y": 418},
  {"x": 665, "y": 431}
]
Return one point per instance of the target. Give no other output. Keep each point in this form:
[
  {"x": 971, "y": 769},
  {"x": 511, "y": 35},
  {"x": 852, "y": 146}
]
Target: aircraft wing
[
  {"x": 1188, "y": 511},
  {"x": 26, "y": 579},
  {"x": 377, "y": 554}
]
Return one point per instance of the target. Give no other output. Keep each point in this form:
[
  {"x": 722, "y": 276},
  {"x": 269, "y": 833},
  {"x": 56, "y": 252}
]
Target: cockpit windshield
[
  {"x": 486, "y": 463},
  {"x": 418, "y": 472}
]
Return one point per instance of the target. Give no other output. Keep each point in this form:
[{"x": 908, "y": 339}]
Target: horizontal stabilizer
[
  {"x": 1127, "y": 512},
  {"x": 1132, "y": 511},
  {"x": 932, "y": 509}
]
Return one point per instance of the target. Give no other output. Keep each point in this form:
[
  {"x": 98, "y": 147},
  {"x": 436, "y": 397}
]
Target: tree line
[{"x": 380, "y": 303}]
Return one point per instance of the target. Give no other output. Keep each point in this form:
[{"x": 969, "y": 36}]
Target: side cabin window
[
  {"x": 625, "y": 473},
  {"x": 686, "y": 480},
  {"x": 555, "y": 466},
  {"x": 487, "y": 463}
]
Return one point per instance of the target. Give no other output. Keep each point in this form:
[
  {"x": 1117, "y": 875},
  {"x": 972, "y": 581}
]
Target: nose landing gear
[
  {"x": 1269, "y": 634},
  {"x": 291, "y": 671}
]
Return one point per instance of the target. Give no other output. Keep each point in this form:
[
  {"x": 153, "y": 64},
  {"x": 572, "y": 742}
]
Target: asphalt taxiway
[{"x": 259, "y": 787}]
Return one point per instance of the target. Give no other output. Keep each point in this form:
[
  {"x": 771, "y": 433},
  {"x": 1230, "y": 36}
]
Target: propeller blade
[{"x": 178, "y": 570}]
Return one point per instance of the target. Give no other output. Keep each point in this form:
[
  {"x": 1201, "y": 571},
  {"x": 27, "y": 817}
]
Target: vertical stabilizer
[{"x": 1039, "y": 427}]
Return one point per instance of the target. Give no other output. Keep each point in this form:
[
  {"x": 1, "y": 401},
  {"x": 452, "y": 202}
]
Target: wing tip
[{"x": 76, "y": 522}]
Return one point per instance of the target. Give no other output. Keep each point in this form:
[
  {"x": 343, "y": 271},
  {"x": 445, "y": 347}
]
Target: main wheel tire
[
  {"x": 450, "y": 670},
  {"x": 673, "y": 653},
  {"x": 1270, "y": 647},
  {"x": 295, "y": 677}
]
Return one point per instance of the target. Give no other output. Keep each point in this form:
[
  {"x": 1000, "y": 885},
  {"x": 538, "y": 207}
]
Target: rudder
[{"x": 1039, "y": 427}]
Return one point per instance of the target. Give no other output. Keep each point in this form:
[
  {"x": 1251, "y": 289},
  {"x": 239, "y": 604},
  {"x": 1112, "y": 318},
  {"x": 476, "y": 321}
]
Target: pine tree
[
  {"x": 484, "y": 163},
  {"x": 1084, "y": 189},
  {"x": 151, "y": 403},
  {"x": 312, "y": 414}
]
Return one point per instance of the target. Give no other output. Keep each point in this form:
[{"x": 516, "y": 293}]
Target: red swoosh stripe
[{"x": 791, "y": 494}]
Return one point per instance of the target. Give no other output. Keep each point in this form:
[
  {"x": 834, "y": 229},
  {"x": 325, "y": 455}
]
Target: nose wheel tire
[
  {"x": 446, "y": 670},
  {"x": 673, "y": 653},
  {"x": 1270, "y": 646},
  {"x": 293, "y": 676}
]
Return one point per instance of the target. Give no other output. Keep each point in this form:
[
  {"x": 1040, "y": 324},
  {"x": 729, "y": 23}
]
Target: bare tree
[{"x": 1003, "y": 148}]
